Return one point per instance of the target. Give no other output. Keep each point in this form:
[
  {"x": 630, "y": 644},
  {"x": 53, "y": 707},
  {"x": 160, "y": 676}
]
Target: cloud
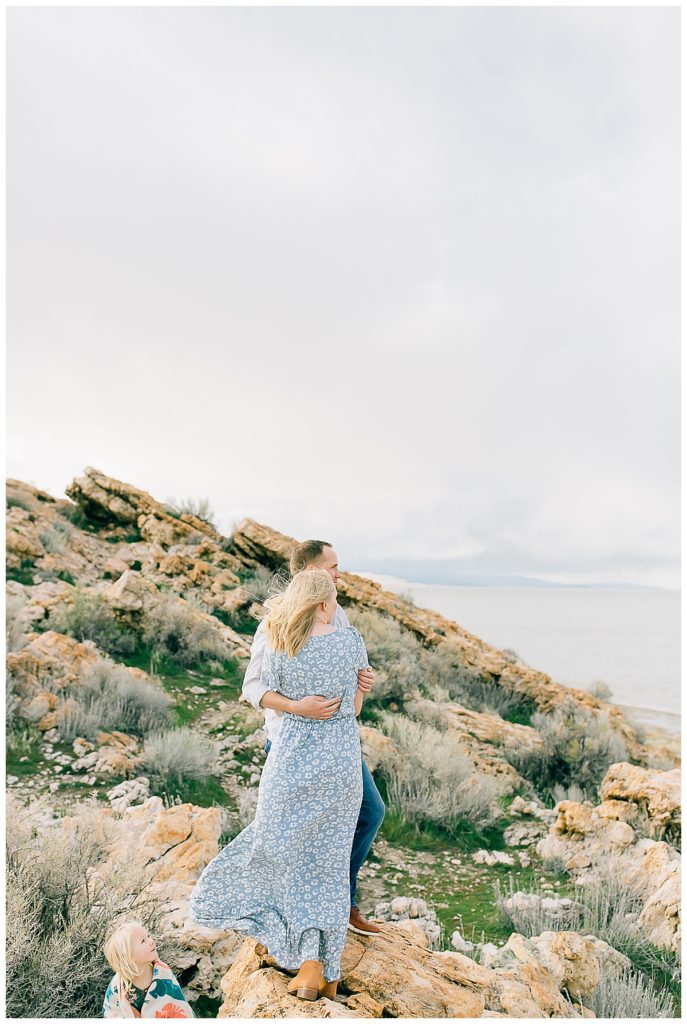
[{"x": 403, "y": 276}]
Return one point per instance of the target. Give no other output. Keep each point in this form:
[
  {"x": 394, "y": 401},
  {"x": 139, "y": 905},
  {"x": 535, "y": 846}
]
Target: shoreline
[{"x": 550, "y": 652}]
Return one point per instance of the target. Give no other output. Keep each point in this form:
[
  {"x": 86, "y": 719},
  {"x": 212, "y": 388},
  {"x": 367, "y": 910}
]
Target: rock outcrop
[
  {"x": 654, "y": 794},
  {"x": 395, "y": 975},
  {"x": 589, "y": 840}
]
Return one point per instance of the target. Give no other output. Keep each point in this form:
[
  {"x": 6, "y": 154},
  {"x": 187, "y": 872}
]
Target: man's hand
[
  {"x": 366, "y": 679},
  {"x": 317, "y": 707}
]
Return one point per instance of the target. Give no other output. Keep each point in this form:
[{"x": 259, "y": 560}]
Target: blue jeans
[{"x": 370, "y": 819}]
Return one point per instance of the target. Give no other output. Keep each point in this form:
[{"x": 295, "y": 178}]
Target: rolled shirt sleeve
[{"x": 253, "y": 689}]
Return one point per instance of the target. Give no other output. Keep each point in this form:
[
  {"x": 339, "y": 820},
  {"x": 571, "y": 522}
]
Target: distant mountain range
[{"x": 448, "y": 574}]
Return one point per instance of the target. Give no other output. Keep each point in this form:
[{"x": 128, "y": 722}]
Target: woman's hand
[{"x": 317, "y": 707}]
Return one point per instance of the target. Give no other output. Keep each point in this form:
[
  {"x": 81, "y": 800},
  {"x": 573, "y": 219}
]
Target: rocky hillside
[{"x": 129, "y": 627}]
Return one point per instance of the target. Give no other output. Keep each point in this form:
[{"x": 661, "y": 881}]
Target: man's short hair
[{"x": 306, "y": 553}]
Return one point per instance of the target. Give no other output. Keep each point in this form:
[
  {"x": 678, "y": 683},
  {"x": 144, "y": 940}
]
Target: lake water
[{"x": 628, "y": 638}]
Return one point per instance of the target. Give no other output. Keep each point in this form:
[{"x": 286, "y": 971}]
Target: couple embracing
[{"x": 289, "y": 879}]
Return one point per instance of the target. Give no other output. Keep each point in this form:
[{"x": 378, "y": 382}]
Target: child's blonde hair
[
  {"x": 118, "y": 952},
  {"x": 291, "y": 614}
]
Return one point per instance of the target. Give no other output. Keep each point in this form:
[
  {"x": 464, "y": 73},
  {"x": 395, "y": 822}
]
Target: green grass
[
  {"x": 202, "y": 793},
  {"x": 24, "y": 742},
  {"x": 241, "y": 622},
  {"x": 465, "y": 889},
  {"x": 463, "y": 835},
  {"x": 520, "y": 715},
  {"x": 168, "y": 668},
  {"x": 24, "y": 574}
]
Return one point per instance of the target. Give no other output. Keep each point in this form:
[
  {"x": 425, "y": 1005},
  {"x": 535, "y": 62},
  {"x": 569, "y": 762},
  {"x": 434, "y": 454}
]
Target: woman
[{"x": 285, "y": 878}]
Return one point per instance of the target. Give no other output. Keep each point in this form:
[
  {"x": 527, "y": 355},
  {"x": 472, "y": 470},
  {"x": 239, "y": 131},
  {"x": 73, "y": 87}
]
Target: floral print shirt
[{"x": 164, "y": 997}]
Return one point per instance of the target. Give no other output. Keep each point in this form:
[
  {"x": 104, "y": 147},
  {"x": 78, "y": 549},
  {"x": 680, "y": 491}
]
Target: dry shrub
[
  {"x": 110, "y": 697},
  {"x": 59, "y": 910},
  {"x": 175, "y": 631},
  {"x": 578, "y": 746},
  {"x": 395, "y": 654},
  {"x": 180, "y": 754},
  {"x": 429, "y": 779},
  {"x": 90, "y": 617}
]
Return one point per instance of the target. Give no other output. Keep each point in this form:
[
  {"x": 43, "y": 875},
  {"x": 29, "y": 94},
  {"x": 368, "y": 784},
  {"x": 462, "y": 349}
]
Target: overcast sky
[{"x": 404, "y": 278}]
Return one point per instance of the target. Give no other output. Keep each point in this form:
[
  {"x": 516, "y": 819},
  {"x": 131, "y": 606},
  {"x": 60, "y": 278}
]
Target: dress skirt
[{"x": 285, "y": 879}]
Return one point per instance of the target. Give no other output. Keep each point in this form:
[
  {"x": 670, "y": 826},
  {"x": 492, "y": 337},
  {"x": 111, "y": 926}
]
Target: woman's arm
[{"x": 358, "y": 702}]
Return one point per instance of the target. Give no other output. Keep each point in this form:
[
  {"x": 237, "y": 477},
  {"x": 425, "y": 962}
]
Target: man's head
[{"x": 315, "y": 554}]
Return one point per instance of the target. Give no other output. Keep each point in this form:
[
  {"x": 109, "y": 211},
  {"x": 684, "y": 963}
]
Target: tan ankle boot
[
  {"x": 327, "y": 989},
  {"x": 306, "y": 984}
]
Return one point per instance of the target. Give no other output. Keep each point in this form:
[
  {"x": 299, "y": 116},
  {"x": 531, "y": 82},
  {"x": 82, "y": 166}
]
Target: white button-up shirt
[{"x": 253, "y": 689}]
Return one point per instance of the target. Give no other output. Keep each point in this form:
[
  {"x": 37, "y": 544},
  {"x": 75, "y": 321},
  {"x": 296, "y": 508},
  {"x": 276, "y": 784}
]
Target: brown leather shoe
[{"x": 358, "y": 923}]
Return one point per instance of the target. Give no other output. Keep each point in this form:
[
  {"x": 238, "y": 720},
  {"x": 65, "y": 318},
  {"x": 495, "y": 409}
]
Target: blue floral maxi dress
[{"x": 285, "y": 879}]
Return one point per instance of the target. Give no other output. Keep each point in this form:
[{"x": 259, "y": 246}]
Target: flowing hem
[{"x": 286, "y": 953}]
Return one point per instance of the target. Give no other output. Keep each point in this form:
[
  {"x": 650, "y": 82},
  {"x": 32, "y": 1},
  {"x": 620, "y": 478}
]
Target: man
[{"x": 319, "y": 554}]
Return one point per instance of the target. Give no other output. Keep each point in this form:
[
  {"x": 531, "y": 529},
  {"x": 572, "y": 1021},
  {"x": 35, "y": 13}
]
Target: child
[{"x": 142, "y": 986}]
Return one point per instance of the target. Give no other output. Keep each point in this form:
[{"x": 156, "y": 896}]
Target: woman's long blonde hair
[
  {"x": 291, "y": 614},
  {"x": 118, "y": 953}
]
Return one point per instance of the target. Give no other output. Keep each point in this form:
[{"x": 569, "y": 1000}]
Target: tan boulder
[
  {"x": 117, "y": 755},
  {"x": 375, "y": 745},
  {"x": 414, "y": 930},
  {"x": 37, "y": 706},
  {"x": 116, "y": 740},
  {"x": 129, "y": 592},
  {"x": 593, "y": 840},
  {"x": 22, "y": 538},
  {"x": 179, "y": 841},
  {"x": 617, "y": 810},
  {"x": 49, "y": 657},
  {"x": 570, "y": 958},
  {"x": 657, "y": 793},
  {"x": 655, "y": 869},
  {"x": 491, "y": 728},
  {"x": 403, "y": 984}
]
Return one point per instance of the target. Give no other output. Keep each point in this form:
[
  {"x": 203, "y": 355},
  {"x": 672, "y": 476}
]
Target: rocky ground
[{"x": 448, "y": 948}]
